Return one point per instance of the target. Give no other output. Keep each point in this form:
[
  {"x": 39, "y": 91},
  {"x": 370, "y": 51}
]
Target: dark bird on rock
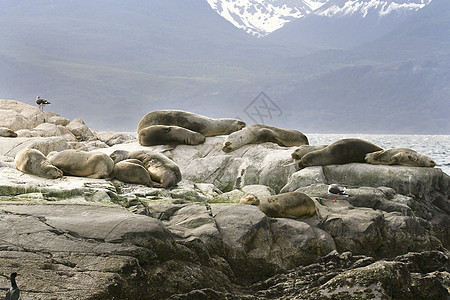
[
  {"x": 41, "y": 102},
  {"x": 336, "y": 189},
  {"x": 14, "y": 292}
]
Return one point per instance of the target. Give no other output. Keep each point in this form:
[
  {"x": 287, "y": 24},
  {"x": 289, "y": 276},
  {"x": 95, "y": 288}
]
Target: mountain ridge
[{"x": 261, "y": 18}]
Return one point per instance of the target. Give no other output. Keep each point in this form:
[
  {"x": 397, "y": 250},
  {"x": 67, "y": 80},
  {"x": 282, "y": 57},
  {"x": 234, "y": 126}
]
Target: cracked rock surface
[{"x": 82, "y": 238}]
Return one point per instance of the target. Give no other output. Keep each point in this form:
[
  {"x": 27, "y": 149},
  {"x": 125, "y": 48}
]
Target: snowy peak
[
  {"x": 260, "y": 18},
  {"x": 339, "y": 8}
]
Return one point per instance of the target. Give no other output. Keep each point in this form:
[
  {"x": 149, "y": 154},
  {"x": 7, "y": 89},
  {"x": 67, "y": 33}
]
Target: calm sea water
[{"x": 436, "y": 147}]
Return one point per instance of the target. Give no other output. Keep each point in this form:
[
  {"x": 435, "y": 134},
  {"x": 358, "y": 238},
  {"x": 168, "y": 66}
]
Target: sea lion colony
[{"x": 172, "y": 127}]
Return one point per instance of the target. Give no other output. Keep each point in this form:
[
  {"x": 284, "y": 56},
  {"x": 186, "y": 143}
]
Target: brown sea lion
[
  {"x": 305, "y": 149},
  {"x": 257, "y": 133},
  {"x": 82, "y": 163},
  {"x": 132, "y": 171},
  {"x": 32, "y": 161},
  {"x": 160, "y": 167},
  {"x": 399, "y": 156},
  {"x": 341, "y": 152},
  {"x": 168, "y": 135},
  {"x": 286, "y": 205},
  {"x": 198, "y": 123}
]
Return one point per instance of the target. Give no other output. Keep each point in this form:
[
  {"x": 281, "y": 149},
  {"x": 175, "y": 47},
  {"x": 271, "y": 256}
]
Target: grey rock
[
  {"x": 79, "y": 129},
  {"x": 112, "y": 138},
  {"x": 10, "y": 147}
]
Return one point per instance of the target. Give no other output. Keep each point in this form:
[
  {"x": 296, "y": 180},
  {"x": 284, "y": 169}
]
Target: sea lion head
[
  {"x": 52, "y": 172},
  {"x": 238, "y": 124},
  {"x": 119, "y": 155},
  {"x": 249, "y": 199}
]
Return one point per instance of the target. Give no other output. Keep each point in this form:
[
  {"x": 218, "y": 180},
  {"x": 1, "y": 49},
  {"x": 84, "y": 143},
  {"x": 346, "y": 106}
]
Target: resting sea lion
[
  {"x": 32, "y": 161},
  {"x": 305, "y": 149},
  {"x": 198, "y": 123},
  {"x": 132, "y": 171},
  {"x": 399, "y": 156},
  {"x": 82, "y": 163},
  {"x": 160, "y": 167},
  {"x": 341, "y": 152},
  {"x": 286, "y": 205},
  {"x": 168, "y": 135},
  {"x": 6, "y": 132},
  {"x": 257, "y": 133}
]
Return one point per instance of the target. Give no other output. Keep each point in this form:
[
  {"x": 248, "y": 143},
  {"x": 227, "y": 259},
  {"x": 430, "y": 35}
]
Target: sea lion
[
  {"x": 286, "y": 205},
  {"x": 257, "y": 133},
  {"x": 6, "y": 132},
  {"x": 305, "y": 149},
  {"x": 168, "y": 135},
  {"x": 160, "y": 167},
  {"x": 32, "y": 161},
  {"x": 82, "y": 163},
  {"x": 198, "y": 123},
  {"x": 132, "y": 171},
  {"x": 341, "y": 152},
  {"x": 399, "y": 156}
]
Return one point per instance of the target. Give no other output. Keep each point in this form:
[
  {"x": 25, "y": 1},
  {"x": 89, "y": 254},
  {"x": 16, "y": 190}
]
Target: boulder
[
  {"x": 260, "y": 191},
  {"x": 266, "y": 245},
  {"x": 92, "y": 260},
  {"x": 112, "y": 138},
  {"x": 79, "y": 129},
  {"x": 19, "y": 115},
  {"x": 58, "y": 120},
  {"x": 266, "y": 164},
  {"x": 47, "y": 130},
  {"x": 13, "y": 120},
  {"x": 303, "y": 178},
  {"x": 426, "y": 189},
  {"x": 10, "y": 147},
  {"x": 348, "y": 276},
  {"x": 229, "y": 197},
  {"x": 428, "y": 184}
]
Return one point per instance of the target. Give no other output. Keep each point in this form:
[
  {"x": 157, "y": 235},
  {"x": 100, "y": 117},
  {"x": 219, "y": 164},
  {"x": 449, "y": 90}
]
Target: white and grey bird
[
  {"x": 14, "y": 292},
  {"x": 41, "y": 102},
  {"x": 336, "y": 189}
]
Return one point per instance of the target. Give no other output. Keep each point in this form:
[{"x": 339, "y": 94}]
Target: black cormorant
[{"x": 14, "y": 292}]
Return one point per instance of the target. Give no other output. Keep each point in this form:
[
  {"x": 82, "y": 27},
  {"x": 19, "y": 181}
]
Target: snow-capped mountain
[
  {"x": 262, "y": 17},
  {"x": 339, "y": 8}
]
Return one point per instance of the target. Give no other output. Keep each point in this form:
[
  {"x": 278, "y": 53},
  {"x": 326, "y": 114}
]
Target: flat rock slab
[
  {"x": 75, "y": 251},
  {"x": 108, "y": 224}
]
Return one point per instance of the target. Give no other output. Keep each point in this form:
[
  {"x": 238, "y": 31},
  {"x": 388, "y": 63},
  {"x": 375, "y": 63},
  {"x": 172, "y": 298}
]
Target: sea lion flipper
[{"x": 168, "y": 147}]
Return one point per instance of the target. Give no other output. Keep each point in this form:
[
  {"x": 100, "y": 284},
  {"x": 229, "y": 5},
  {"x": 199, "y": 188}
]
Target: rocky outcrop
[
  {"x": 421, "y": 194},
  {"x": 348, "y": 276},
  {"x": 83, "y": 238},
  {"x": 47, "y": 131}
]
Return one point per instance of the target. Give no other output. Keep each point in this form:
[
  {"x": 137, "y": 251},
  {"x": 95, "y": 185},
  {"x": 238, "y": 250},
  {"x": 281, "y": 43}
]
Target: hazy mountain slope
[
  {"x": 111, "y": 62},
  {"x": 426, "y": 33},
  {"x": 398, "y": 83},
  {"x": 348, "y": 23},
  {"x": 117, "y": 54}
]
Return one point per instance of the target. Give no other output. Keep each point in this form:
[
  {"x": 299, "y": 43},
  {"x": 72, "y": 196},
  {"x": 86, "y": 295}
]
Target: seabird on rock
[
  {"x": 336, "y": 189},
  {"x": 14, "y": 292},
  {"x": 41, "y": 102}
]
